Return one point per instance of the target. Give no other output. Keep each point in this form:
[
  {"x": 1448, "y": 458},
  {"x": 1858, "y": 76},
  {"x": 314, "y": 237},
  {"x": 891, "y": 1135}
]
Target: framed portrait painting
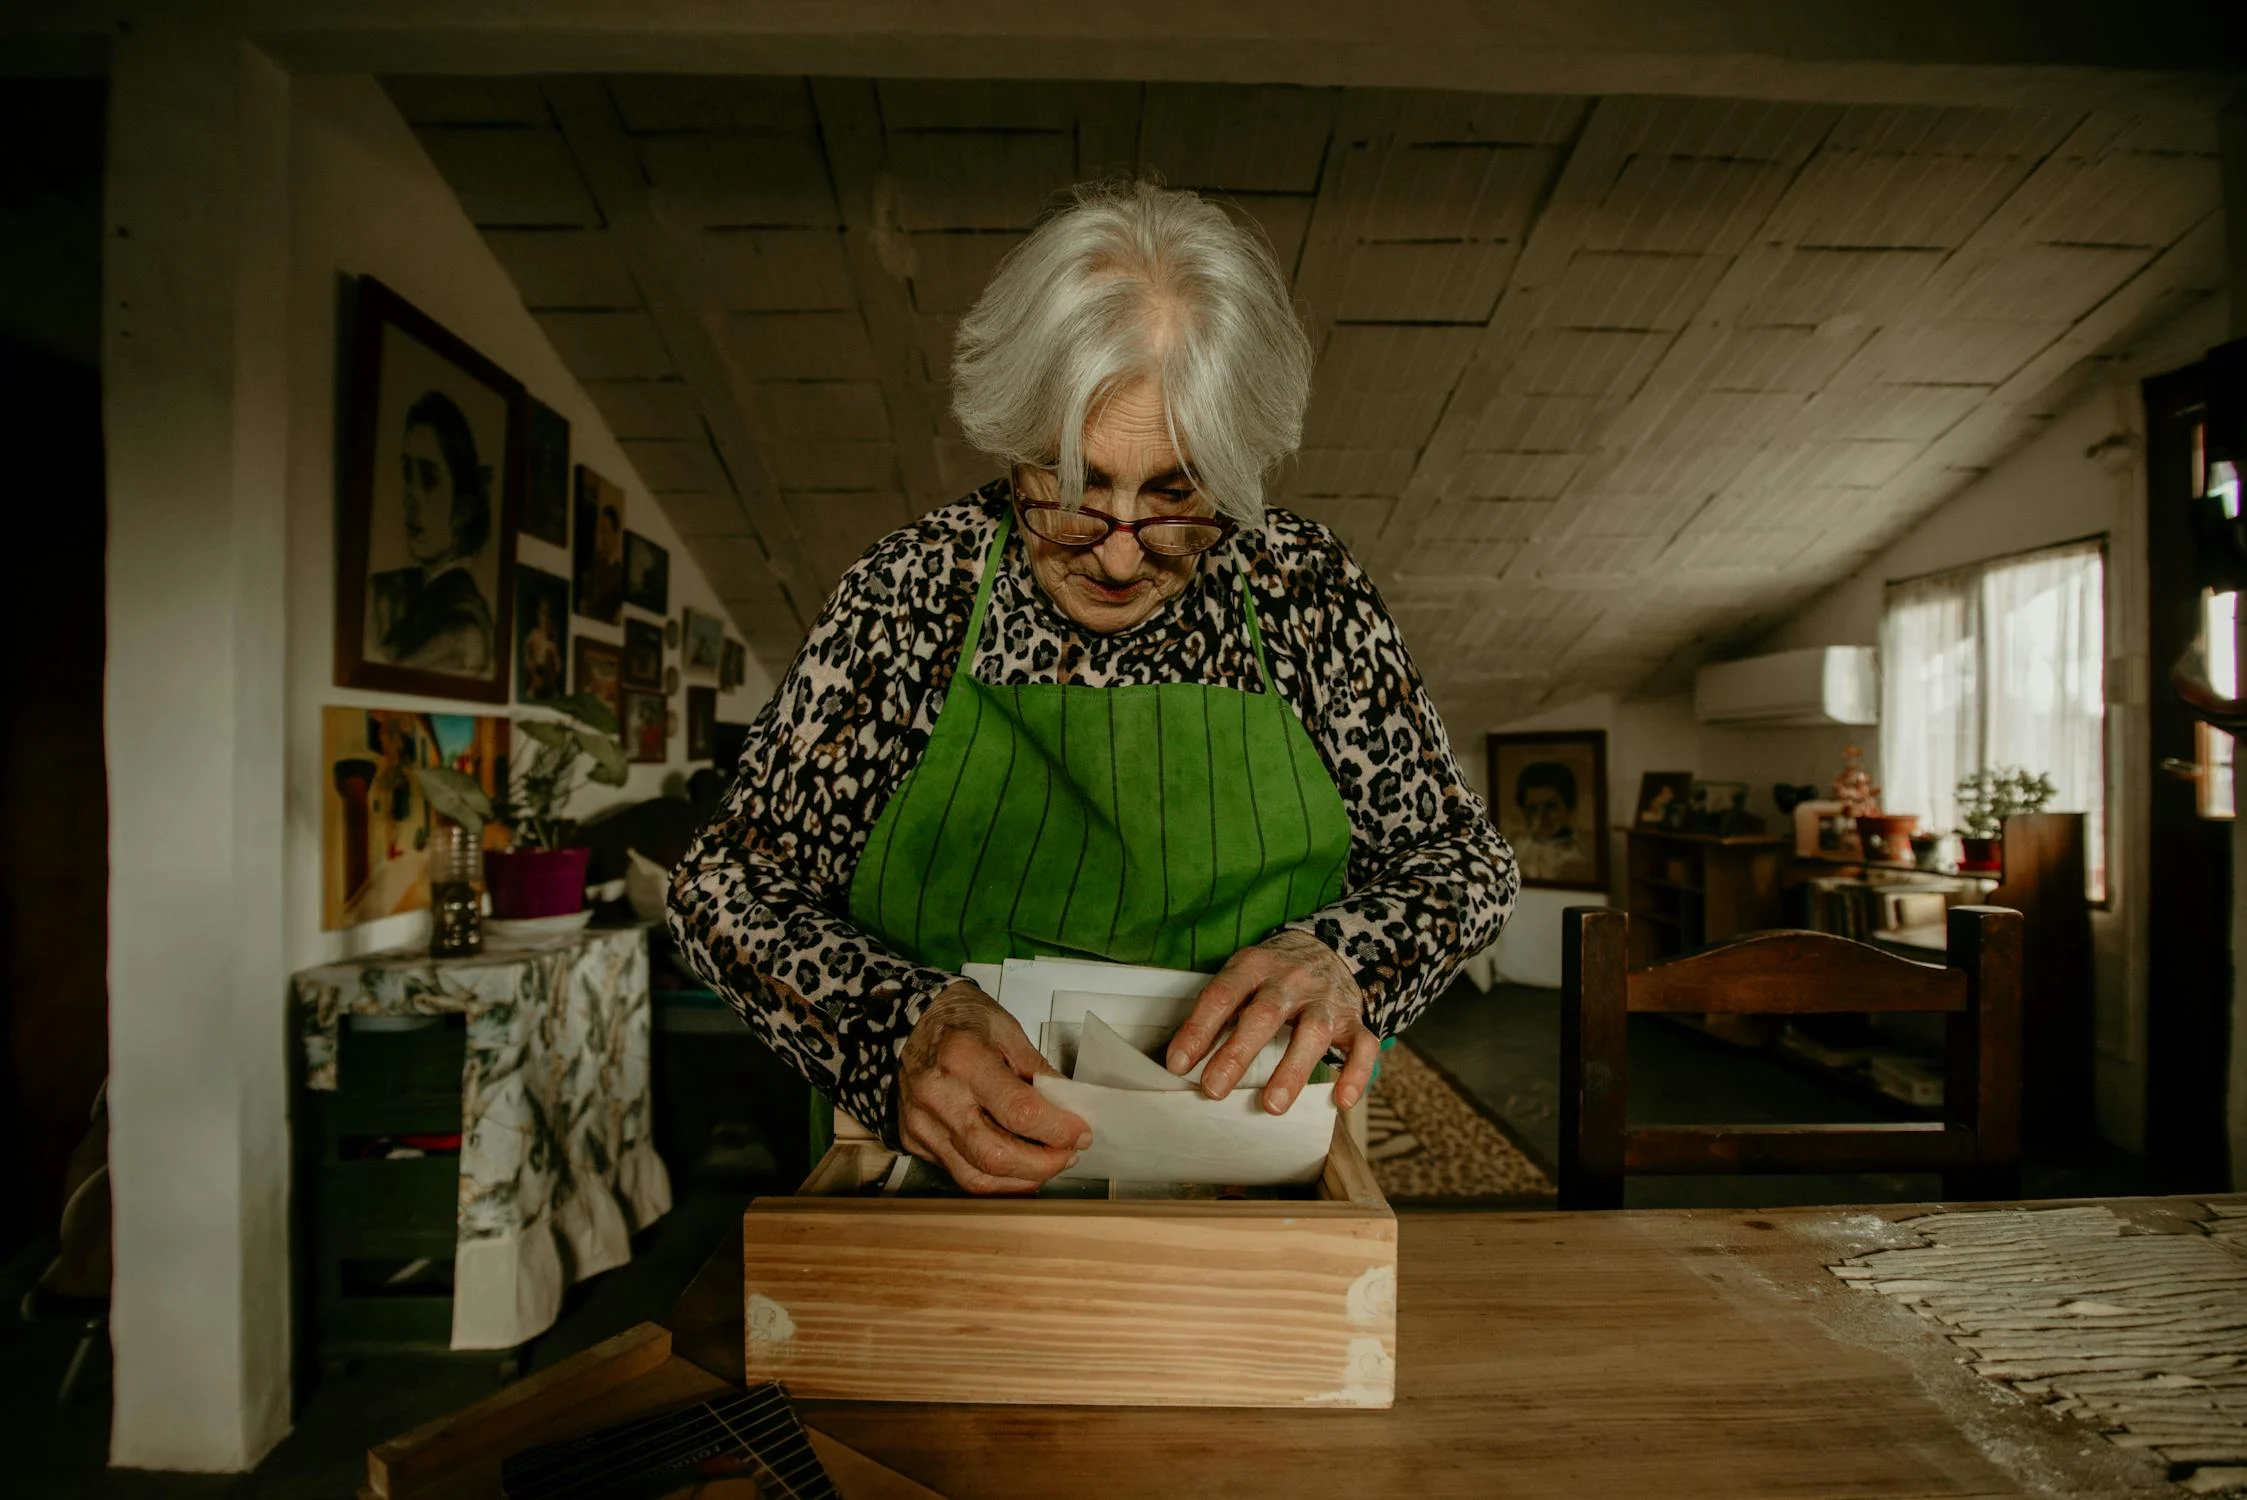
[
  {"x": 546, "y": 499},
  {"x": 704, "y": 640},
  {"x": 599, "y": 670},
  {"x": 702, "y": 722},
  {"x": 647, "y": 574},
  {"x": 1662, "y": 798},
  {"x": 647, "y": 728},
  {"x": 734, "y": 672},
  {"x": 598, "y": 557},
  {"x": 542, "y": 635},
  {"x": 1548, "y": 793},
  {"x": 643, "y": 656},
  {"x": 432, "y": 493}
]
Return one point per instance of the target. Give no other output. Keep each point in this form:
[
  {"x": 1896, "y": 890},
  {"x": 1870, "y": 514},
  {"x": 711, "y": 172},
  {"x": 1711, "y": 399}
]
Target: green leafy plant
[
  {"x": 1987, "y": 798},
  {"x": 538, "y": 792}
]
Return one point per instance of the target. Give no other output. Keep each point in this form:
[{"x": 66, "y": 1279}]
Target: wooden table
[{"x": 1666, "y": 1354}]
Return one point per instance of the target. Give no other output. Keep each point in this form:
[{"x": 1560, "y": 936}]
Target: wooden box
[{"x": 1154, "y": 1301}]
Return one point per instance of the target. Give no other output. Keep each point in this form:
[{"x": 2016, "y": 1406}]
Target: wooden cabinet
[{"x": 1688, "y": 890}]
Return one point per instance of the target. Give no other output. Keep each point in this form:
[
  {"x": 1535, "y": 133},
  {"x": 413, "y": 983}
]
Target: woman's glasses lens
[
  {"x": 1068, "y": 527},
  {"x": 1180, "y": 538}
]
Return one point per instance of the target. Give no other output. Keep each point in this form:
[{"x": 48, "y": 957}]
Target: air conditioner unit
[{"x": 1792, "y": 689}]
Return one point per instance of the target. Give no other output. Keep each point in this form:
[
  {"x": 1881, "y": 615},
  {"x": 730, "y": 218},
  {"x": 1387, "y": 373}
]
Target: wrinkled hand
[
  {"x": 1291, "y": 978},
  {"x": 964, "y": 1101}
]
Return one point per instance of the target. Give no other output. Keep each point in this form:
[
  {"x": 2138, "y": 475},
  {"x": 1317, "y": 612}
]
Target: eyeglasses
[{"x": 1164, "y": 536}]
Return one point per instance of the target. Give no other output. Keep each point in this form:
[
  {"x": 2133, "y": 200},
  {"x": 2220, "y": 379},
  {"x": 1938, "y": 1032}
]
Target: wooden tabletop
[{"x": 1673, "y": 1353}]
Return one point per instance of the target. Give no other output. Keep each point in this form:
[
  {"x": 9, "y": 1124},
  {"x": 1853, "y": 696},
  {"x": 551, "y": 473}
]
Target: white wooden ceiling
[{"x": 1604, "y": 384}]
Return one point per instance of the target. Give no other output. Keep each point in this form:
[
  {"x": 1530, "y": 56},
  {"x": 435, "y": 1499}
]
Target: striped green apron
[{"x": 1169, "y": 824}]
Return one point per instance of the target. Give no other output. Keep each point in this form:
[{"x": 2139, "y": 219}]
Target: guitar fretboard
[{"x": 754, "y": 1432}]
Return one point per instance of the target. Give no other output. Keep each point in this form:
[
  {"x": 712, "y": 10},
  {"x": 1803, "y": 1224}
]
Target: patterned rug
[{"x": 1430, "y": 1143}]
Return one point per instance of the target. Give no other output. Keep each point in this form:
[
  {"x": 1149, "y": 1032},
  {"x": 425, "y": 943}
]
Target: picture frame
[
  {"x": 733, "y": 666},
  {"x": 1548, "y": 796},
  {"x": 670, "y": 682},
  {"x": 546, "y": 483},
  {"x": 702, "y": 641},
  {"x": 598, "y": 668},
  {"x": 702, "y": 723},
  {"x": 1658, "y": 792},
  {"x": 597, "y": 559},
  {"x": 542, "y": 635},
  {"x": 646, "y": 729},
  {"x": 643, "y": 656},
  {"x": 671, "y": 632},
  {"x": 647, "y": 574},
  {"x": 1814, "y": 835},
  {"x": 430, "y": 499},
  {"x": 375, "y": 820}
]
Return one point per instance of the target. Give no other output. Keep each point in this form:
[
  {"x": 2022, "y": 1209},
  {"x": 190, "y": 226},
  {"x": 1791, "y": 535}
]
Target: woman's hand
[
  {"x": 1291, "y": 978},
  {"x": 964, "y": 1101}
]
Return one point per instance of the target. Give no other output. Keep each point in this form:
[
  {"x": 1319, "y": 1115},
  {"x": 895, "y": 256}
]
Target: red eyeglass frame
[{"x": 1224, "y": 526}]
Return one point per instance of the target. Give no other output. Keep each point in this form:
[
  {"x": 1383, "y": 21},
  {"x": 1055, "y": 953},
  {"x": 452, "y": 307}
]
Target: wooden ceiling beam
[{"x": 676, "y": 284}]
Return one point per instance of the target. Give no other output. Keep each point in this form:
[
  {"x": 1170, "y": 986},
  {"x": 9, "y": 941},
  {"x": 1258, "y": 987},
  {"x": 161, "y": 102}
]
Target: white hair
[{"x": 1133, "y": 280}]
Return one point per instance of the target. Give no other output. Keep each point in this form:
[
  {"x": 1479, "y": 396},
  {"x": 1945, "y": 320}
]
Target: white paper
[
  {"x": 1159, "y": 1135},
  {"x": 1027, "y": 985},
  {"x": 1126, "y": 1057}
]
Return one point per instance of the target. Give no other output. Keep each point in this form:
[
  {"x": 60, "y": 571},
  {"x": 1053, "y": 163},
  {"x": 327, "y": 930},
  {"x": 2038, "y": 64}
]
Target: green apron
[{"x": 1171, "y": 824}]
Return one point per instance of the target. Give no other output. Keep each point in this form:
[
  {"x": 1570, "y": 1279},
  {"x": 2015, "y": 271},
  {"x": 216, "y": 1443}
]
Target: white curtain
[
  {"x": 2044, "y": 704},
  {"x": 2003, "y": 665},
  {"x": 1930, "y": 699}
]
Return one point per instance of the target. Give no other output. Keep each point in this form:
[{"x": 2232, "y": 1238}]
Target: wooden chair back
[{"x": 1976, "y": 1146}]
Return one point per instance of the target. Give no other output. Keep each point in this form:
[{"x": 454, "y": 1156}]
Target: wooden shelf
[
  {"x": 1655, "y": 916},
  {"x": 1667, "y": 885},
  {"x": 1722, "y": 840}
]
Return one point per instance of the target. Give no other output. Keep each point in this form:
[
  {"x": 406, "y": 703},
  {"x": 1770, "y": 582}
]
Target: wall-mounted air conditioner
[{"x": 1792, "y": 689}]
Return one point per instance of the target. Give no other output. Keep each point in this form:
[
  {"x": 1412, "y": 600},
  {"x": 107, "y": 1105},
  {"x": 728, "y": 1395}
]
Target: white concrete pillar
[{"x": 194, "y": 404}]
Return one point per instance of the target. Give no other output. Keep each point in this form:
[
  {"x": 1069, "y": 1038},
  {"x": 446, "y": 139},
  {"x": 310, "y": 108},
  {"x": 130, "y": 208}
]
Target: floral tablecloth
[{"x": 557, "y": 1158}]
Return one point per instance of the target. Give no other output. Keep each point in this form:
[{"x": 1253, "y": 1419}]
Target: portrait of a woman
[{"x": 433, "y": 614}]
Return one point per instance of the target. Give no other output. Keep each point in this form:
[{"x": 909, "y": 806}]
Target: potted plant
[
  {"x": 538, "y": 876},
  {"x": 1883, "y": 838},
  {"x": 1985, "y": 800}
]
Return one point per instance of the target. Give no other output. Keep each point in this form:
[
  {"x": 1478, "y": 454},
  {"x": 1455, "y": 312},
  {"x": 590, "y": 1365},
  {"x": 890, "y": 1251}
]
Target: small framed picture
[
  {"x": 599, "y": 557},
  {"x": 646, "y": 732},
  {"x": 1548, "y": 793},
  {"x": 647, "y": 574},
  {"x": 670, "y": 682},
  {"x": 733, "y": 669},
  {"x": 546, "y": 499},
  {"x": 1658, "y": 793},
  {"x": 705, "y": 637},
  {"x": 1814, "y": 835},
  {"x": 432, "y": 495},
  {"x": 542, "y": 635},
  {"x": 671, "y": 633},
  {"x": 702, "y": 723},
  {"x": 643, "y": 656},
  {"x": 599, "y": 670}
]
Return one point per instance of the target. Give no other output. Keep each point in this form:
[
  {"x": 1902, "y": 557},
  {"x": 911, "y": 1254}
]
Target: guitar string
[
  {"x": 779, "y": 1478},
  {"x": 675, "y": 1441},
  {"x": 676, "y": 1438},
  {"x": 668, "y": 1429}
]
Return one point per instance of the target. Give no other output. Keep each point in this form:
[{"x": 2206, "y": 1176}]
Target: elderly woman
[{"x": 1108, "y": 707}]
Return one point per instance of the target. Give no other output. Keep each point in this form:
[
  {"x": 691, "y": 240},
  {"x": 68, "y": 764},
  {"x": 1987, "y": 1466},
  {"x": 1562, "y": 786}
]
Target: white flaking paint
[
  {"x": 771, "y": 1330},
  {"x": 1373, "y": 1296},
  {"x": 1369, "y": 1377}
]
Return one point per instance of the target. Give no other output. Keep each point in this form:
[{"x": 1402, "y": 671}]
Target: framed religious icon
[
  {"x": 734, "y": 668},
  {"x": 1548, "y": 795},
  {"x": 542, "y": 635},
  {"x": 435, "y": 438},
  {"x": 705, "y": 637},
  {"x": 643, "y": 656},
  {"x": 646, "y": 728},
  {"x": 598, "y": 559}
]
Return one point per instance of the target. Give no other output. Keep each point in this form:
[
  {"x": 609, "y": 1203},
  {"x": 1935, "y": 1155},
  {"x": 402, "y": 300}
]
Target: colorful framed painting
[
  {"x": 374, "y": 822},
  {"x": 702, "y": 723},
  {"x": 598, "y": 668},
  {"x": 647, "y": 574},
  {"x": 704, "y": 638},
  {"x": 1548, "y": 794},
  {"x": 546, "y": 486},
  {"x": 599, "y": 555},
  {"x": 542, "y": 635},
  {"x": 643, "y": 656},
  {"x": 434, "y": 438},
  {"x": 646, "y": 729}
]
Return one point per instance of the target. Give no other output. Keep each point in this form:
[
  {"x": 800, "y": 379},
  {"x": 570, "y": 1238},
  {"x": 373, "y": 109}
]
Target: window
[
  {"x": 2218, "y": 481},
  {"x": 2002, "y": 664}
]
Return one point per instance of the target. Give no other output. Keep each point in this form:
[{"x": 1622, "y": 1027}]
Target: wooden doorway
[{"x": 2189, "y": 1009}]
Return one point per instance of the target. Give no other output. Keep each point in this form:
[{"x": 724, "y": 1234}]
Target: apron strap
[
  {"x": 966, "y": 668},
  {"x": 1255, "y": 631}
]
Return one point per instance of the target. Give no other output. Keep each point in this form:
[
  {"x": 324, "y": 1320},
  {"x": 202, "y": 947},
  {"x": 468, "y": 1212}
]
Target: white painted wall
[{"x": 365, "y": 199}]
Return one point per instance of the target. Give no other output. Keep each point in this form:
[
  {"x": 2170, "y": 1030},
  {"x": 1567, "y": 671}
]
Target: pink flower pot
[
  {"x": 1887, "y": 840},
  {"x": 527, "y": 883},
  {"x": 1981, "y": 856}
]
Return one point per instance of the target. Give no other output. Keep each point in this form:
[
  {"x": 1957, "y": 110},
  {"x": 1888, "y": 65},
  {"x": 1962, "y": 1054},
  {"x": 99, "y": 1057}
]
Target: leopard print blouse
[{"x": 760, "y": 905}]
